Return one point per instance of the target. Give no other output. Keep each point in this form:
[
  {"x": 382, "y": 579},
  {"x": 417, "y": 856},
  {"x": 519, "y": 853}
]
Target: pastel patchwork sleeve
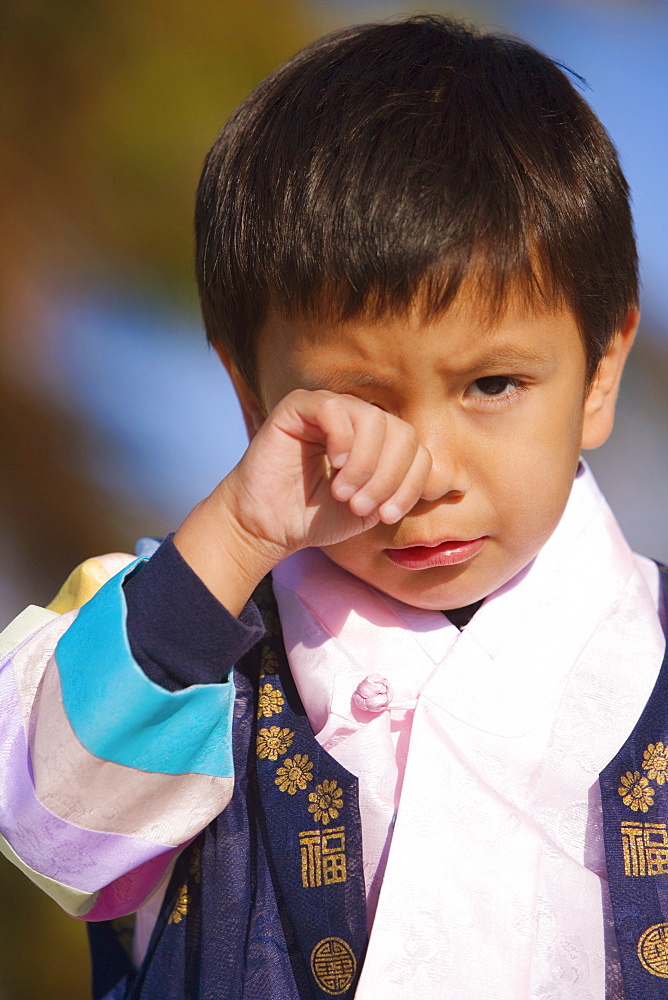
[{"x": 105, "y": 773}]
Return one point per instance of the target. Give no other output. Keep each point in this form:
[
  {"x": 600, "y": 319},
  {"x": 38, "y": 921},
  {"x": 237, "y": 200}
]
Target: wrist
[{"x": 229, "y": 559}]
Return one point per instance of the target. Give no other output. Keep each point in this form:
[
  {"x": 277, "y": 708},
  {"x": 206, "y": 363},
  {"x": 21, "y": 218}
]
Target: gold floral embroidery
[
  {"x": 268, "y": 662},
  {"x": 270, "y": 701},
  {"x": 124, "y": 931},
  {"x": 636, "y": 792},
  {"x": 180, "y": 907},
  {"x": 273, "y": 742},
  {"x": 326, "y": 802},
  {"x": 271, "y": 622},
  {"x": 655, "y": 762},
  {"x": 294, "y": 773},
  {"x": 194, "y": 868}
]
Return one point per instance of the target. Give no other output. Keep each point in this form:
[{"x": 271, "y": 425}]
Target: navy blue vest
[
  {"x": 634, "y": 792},
  {"x": 269, "y": 901}
]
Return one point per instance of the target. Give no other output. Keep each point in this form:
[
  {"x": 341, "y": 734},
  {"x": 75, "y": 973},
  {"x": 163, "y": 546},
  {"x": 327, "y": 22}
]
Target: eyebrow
[
  {"x": 506, "y": 356},
  {"x": 499, "y": 358},
  {"x": 339, "y": 381}
]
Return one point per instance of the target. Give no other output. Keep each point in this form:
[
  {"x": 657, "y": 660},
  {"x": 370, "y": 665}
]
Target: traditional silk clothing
[
  {"x": 497, "y": 848},
  {"x": 489, "y": 881}
]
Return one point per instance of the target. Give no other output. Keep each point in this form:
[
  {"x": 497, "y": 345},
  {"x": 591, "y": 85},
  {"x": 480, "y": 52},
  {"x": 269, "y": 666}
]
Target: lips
[{"x": 447, "y": 553}]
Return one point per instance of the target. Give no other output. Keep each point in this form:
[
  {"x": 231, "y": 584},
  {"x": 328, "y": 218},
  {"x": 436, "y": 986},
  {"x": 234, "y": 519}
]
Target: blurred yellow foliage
[{"x": 110, "y": 109}]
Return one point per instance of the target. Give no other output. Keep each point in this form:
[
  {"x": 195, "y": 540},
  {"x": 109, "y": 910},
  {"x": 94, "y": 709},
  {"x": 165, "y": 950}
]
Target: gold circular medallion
[
  {"x": 653, "y": 950},
  {"x": 333, "y": 965}
]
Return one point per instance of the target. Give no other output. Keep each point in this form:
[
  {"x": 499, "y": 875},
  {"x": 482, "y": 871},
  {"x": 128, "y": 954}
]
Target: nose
[{"x": 449, "y": 478}]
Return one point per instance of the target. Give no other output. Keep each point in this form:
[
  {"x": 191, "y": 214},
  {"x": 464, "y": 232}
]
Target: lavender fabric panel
[
  {"x": 179, "y": 633},
  {"x": 73, "y": 855}
]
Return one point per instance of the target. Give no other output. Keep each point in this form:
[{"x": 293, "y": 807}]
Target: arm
[
  {"x": 112, "y": 768},
  {"x": 91, "y": 809}
]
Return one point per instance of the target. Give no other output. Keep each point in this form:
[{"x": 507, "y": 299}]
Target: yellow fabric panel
[{"x": 82, "y": 584}]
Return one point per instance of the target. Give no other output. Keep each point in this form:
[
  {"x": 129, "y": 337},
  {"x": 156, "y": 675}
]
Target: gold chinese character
[
  {"x": 657, "y": 862},
  {"x": 333, "y": 855},
  {"x": 310, "y": 846},
  {"x": 334, "y": 840},
  {"x": 634, "y": 855},
  {"x": 653, "y": 950},
  {"x": 645, "y": 848},
  {"x": 323, "y": 856},
  {"x": 655, "y": 840},
  {"x": 333, "y": 965},
  {"x": 334, "y": 868}
]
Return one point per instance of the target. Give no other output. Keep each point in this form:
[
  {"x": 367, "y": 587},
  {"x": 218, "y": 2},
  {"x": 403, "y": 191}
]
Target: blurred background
[{"x": 115, "y": 418}]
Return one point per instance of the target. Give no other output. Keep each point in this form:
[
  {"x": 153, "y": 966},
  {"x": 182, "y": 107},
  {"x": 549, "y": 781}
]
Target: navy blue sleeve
[{"x": 179, "y": 633}]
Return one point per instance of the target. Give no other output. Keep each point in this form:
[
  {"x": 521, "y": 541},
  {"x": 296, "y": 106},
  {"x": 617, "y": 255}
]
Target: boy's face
[{"x": 502, "y": 410}]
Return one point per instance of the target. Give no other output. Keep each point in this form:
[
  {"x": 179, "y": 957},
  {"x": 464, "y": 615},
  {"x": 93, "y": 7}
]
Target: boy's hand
[{"x": 322, "y": 468}]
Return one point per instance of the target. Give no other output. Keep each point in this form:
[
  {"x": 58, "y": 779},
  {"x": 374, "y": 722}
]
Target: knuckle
[
  {"x": 326, "y": 400},
  {"x": 405, "y": 432},
  {"x": 424, "y": 456},
  {"x": 296, "y": 401},
  {"x": 372, "y": 413},
  {"x": 296, "y": 395},
  {"x": 411, "y": 438},
  {"x": 363, "y": 469},
  {"x": 332, "y": 410},
  {"x": 391, "y": 481}
]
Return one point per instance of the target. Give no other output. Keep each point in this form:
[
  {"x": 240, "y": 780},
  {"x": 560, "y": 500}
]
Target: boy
[{"x": 416, "y": 260}]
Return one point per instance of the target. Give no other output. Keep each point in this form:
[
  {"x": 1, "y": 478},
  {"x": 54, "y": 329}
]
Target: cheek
[
  {"x": 363, "y": 555},
  {"x": 354, "y": 551},
  {"x": 536, "y": 486}
]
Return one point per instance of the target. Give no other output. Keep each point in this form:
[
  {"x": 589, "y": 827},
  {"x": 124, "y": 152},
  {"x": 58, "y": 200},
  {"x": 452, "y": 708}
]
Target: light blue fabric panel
[{"x": 120, "y": 715}]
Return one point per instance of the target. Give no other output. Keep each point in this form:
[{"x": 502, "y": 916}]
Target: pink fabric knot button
[{"x": 373, "y": 694}]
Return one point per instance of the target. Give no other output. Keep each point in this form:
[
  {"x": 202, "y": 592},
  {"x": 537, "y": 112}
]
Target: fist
[
  {"x": 322, "y": 468},
  {"x": 326, "y": 466}
]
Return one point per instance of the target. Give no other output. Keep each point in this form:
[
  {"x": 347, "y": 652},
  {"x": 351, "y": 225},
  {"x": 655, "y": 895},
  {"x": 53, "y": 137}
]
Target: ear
[
  {"x": 250, "y": 407},
  {"x": 599, "y": 407}
]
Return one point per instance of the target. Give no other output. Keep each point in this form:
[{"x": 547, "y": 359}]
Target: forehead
[{"x": 320, "y": 353}]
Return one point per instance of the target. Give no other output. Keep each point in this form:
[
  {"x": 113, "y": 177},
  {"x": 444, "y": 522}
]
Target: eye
[{"x": 490, "y": 386}]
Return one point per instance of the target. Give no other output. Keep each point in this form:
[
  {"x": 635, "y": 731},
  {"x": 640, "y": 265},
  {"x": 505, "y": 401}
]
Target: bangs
[{"x": 490, "y": 280}]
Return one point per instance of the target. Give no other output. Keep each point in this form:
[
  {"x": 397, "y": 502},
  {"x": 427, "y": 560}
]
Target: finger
[
  {"x": 370, "y": 428},
  {"x": 410, "y": 489},
  {"x": 321, "y": 417},
  {"x": 395, "y": 461}
]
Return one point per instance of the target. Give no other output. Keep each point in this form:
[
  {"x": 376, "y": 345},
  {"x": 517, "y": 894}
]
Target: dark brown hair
[{"x": 384, "y": 164}]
